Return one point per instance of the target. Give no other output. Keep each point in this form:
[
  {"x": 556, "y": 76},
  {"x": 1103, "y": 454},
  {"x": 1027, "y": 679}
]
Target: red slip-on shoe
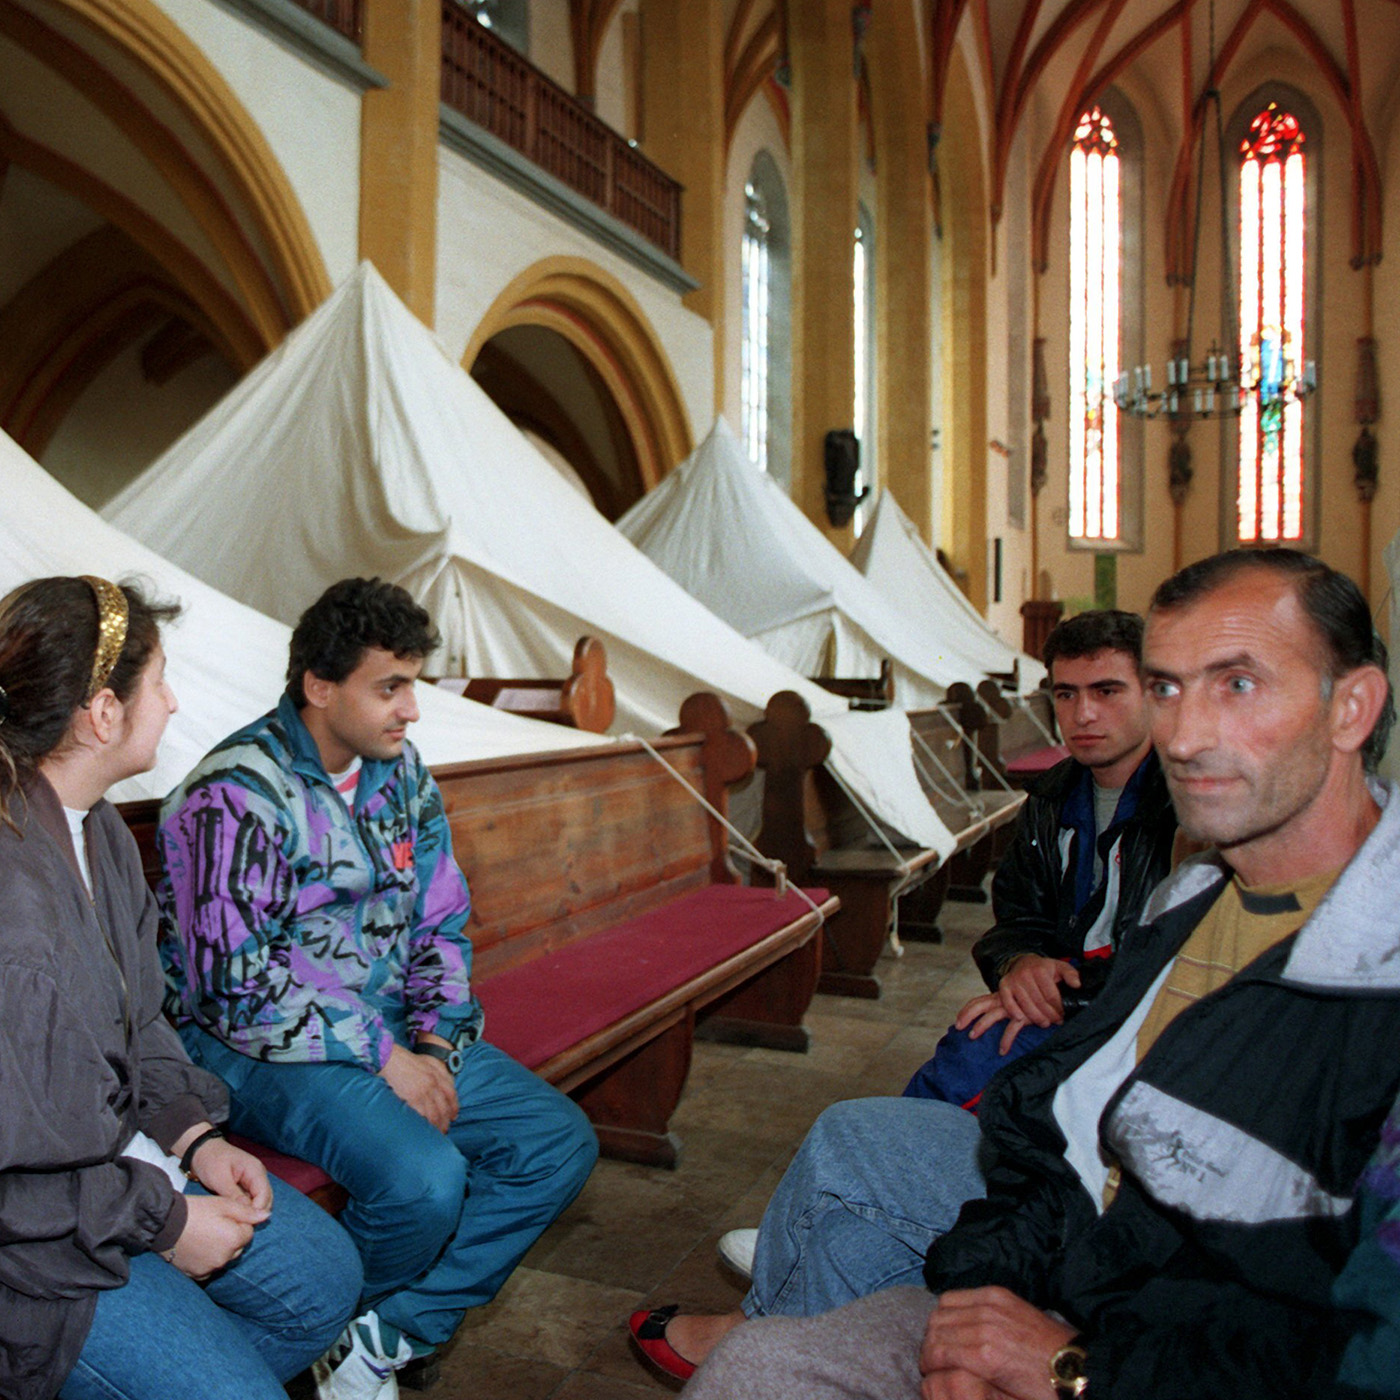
[{"x": 648, "y": 1330}]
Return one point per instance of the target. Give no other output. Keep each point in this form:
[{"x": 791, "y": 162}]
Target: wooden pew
[
  {"x": 811, "y": 826},
  {"x": 582, "y": 700},
  {"x": 607, "y": 920},
  {"x": 1020, "y": 743},
  {"x": 971, "y": 801},
  {"x": 864, "y": 692}
]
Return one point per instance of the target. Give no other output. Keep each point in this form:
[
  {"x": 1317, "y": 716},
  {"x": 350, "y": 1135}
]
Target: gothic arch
[
  {"x": 598, "y": 316},
  {"x": 250, "y": 214}
]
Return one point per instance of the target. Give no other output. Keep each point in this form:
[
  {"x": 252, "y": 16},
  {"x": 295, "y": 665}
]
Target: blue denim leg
[
  {"x": 266, "y": 1317},
  {"x": 873, "y": 1184},
  {"x": 518, "y": 1148},
  {"x": 529, "y": 1150}
]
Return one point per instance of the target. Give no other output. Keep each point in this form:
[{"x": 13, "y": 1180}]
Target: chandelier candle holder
[{"x": 1208, "y": 390}]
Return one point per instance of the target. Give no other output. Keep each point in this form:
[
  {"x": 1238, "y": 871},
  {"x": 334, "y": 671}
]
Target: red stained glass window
[
  {"x": 1095, "y": 219},
  {"x": 1273, "y": 243}
]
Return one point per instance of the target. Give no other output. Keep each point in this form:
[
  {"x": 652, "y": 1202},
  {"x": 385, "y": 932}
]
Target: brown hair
[{"x": 48, "y": 637}]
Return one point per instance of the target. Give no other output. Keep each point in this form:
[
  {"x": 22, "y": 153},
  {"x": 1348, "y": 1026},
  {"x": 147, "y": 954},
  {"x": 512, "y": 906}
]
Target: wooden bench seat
[
  {"x": 864, "y": 692},
  {"x": 584, "y": 699},
  {"x": 971, "y": 803},
  {"x": 608, "y": 923},
  {"x": 1017, "y": 742},
  {"x": 604, "y": 989},
  {"x": 812, "y": 827}
]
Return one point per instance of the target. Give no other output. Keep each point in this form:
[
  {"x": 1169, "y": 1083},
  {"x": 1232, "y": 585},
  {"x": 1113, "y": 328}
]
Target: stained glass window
[
  {"x": 755, "y": 271},
  {"x": 863, "y": 406},
  {"x": 1095, "y": 217},
  {"x": 1273, "y": 222}
]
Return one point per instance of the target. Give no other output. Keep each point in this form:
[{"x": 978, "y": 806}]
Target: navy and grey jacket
[
  {"x": 1241, "y": 1136},
  {"x": 1036, "y": 892}
]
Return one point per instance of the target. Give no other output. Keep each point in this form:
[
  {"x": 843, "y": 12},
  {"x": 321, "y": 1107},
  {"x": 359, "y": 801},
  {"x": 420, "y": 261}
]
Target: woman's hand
[
  {"x": 224, "y": 1169},
  {"x": 217, "y": 1230},
  {"x": 231, "y": 1172}
]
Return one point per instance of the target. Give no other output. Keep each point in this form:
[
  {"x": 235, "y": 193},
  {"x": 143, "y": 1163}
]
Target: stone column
[
  {"x": 683, "y": 130},
  {"x": 824, "y": 203},
  {"x": 399, "y": 148},
  {"x": 903, "y": 261}
]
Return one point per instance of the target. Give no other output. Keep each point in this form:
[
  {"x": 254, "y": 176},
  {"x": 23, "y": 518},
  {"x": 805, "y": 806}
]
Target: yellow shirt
[{"x": 1245, "y": 922}]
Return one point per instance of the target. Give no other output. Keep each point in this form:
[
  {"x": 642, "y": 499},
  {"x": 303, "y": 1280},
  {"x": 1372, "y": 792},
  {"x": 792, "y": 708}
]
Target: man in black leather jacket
[{"x": 1093, "y": 838}]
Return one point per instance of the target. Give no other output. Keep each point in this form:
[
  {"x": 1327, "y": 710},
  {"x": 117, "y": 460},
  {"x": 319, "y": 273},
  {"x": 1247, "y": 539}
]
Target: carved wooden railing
[
  {"x": 342, "y": 15},
  {"x": 490, "y": 84}
]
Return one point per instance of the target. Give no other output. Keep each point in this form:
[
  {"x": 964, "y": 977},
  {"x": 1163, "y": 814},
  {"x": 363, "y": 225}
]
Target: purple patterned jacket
[{"x": 296, "y": 931}]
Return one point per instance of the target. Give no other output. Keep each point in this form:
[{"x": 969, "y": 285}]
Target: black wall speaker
[{"x": 842, "y": 461}]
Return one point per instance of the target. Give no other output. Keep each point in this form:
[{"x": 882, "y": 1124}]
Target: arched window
[
  {"x": 1105, "y": 447},
  {"x": 1272, "y": 312},
  {"x": 765, "y": 373},
  {"x": 1095, "y": 477},
  {"x": 863, "y": 408},
  {"x": 756, "y": 271}
]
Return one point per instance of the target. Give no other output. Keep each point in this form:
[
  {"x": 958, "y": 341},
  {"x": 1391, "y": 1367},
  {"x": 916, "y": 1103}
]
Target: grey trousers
[{"x": 867, "y": 1350}]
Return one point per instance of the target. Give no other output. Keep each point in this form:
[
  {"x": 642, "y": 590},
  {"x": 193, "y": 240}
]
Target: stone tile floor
[{"x": 638, "y": 1235}]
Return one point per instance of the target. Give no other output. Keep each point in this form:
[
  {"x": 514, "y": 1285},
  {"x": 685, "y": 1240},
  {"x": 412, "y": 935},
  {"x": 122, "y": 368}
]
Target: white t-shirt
[{"x": 347, "y": 780}]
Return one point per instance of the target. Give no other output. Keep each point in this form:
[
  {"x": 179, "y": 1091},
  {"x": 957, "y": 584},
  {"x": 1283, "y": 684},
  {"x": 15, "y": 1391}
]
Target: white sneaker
[
  {"x": 736, "y": 1248},
  {"x": 358, "y": 1367}
]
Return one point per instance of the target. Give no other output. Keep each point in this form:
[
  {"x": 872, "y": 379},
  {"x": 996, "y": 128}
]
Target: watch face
[
  {"x": 454, "y": 1061},
  {"x": 1068, "y": 1365}
]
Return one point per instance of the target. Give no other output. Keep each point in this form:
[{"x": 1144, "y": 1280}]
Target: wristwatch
[
  {"x": 451, "y": 1058},
  {"x": 1069, "y": 1370}
]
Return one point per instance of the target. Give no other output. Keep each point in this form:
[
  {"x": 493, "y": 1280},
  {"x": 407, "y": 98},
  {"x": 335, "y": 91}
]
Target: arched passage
[
  {"x": 240, "y": 195},
  {"x": 151, "y": 229},
  {"x": 602, "y": 322}
]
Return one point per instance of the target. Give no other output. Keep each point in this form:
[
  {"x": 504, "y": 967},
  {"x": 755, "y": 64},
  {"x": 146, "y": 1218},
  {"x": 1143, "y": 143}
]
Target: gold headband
[{"x": 111, "y": 632}]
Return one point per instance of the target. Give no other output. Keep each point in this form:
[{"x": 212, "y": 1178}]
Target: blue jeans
[
  {"x": 519, "y": 1149},
  {"x": 269, "y": 1315},
  {"x": 874, "y": 1183}
]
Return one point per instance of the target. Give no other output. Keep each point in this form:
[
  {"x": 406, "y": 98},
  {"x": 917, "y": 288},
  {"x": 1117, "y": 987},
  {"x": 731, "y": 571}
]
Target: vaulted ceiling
[{"x": 1045, "y": 61}]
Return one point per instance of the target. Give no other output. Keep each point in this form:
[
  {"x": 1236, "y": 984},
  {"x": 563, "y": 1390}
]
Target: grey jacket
[{"x": 86, "y": 1059}]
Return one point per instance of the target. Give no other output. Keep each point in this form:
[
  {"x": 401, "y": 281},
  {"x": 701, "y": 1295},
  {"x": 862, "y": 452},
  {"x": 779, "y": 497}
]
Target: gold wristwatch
[{"x": 1069, "y": 1370}]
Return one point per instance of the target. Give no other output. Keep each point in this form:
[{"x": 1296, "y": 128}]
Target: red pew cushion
[
  {"x": 542, "y": 1007},
  {"x": 1037, "y": 760}
]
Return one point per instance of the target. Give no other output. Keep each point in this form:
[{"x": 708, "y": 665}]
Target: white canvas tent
[
  {"x": 226, "y": 663},
  {"x": 731, "y": 537},
  {"x": 360, "y": 446},
  {"x": 893, "y": 556}
]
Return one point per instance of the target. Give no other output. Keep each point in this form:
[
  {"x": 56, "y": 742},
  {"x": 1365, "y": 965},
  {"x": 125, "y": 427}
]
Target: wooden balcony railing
[
  {"x": 490, "y": 84},
  {"x": 342, "y": 15}
]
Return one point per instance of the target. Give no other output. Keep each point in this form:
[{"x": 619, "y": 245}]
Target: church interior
[{"x": 451, "y": 290}]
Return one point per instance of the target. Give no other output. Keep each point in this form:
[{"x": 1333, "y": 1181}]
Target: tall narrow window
[
  {"x": 755, "y": 270},
  {"x": 863, "y": 407},
  {"x": 1273, "y": 245},
  {"x": 1095, "y": 476}
]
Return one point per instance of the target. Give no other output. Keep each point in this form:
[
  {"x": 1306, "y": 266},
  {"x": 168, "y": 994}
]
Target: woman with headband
[{"x": 141, "y": 1255}]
